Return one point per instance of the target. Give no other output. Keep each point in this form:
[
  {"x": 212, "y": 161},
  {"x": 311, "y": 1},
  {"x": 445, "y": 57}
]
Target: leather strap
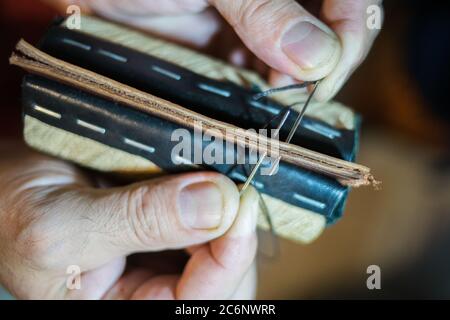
[
  {"x": 148, "y": 136},
  {"x": 41, "y": 63},
  {"x": 217, "y": 99}
]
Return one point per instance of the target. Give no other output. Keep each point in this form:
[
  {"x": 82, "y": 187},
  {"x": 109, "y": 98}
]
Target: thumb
[
  {"x": 284, "y": 35},
  {"x": 166, "y": 213}
]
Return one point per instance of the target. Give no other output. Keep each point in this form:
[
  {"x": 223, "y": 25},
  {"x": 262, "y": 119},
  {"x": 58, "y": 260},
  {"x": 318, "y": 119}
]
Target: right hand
[{"x": 295, "y": 43}]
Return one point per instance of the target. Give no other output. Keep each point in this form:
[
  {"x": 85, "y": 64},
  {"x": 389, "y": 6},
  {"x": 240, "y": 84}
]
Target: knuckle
[
  {"x": 147, "y": 206},
  {"x": 250, "y": 12},
  {"x": 33, "y": 243},
  {"x": 30, "y": 235},
  {"x": 40, "y": 236}
]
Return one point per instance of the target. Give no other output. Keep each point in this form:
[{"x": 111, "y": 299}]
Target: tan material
[
  {"x": 38, "y": 62},
  {"x": 84, "y": 151},
  {"x": 290, "y": 222}
]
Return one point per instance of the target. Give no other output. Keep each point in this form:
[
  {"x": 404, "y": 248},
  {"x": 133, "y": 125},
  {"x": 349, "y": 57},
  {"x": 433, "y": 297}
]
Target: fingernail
[
  {"x": 201, "y": 205},
  {"x": 308, "y": 46}
]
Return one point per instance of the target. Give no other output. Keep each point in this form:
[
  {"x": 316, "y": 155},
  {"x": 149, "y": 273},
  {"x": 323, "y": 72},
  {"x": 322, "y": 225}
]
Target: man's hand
[
  {"x": 296, "y": 44},
  {"x": 52, "y": 216}
]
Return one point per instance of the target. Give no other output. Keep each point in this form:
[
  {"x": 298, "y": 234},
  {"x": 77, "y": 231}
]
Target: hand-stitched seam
[
  {"x": 215, "y": 90},
  {"x": 90, "y": 126},
  {"x": 46, "y": 111},
  {"x": 166, "y": 72},
  {"x": 309, "y": 201},
  {"x": 139, "y": 145},
  {"x": 112, "y": 55},
  {"x": 77, "y": 44}
]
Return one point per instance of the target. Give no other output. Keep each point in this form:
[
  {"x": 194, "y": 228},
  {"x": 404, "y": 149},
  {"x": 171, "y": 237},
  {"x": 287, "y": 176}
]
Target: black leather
[
  {"x": 226, "y": 101},
  {"x": 291, "y": 184},
  {"x": 237, "y": 109}
]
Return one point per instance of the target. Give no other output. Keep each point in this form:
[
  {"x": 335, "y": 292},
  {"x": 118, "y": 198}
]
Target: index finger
[
  {"x": 216, "y": 270},
  {"x": 348, "y": 19}
]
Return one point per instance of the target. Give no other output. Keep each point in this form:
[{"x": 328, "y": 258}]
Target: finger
[
  {"x": 278, "y": 79},
  {"x": 157, "y": 288},
  {"x": 183, "y": 21},
  {"x": 284, "y": 35},
  {"x": 127, "y": 285},
  {"x": 93, "y": 226},
  {"x": 139, "y": 8},
  {"x": 94, "y": 283},
  {"x": 164, "y": 287},
  {"x": 192, "y": 249},
  {"x": 247, "y": 288},
  {"x": 215, "y": 271},
  {"x": 348, "y": 19}
]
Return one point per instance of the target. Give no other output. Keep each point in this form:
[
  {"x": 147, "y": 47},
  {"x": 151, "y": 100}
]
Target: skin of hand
[
  {"x": 52, "y": 216},
  {"x": 299, "y": 40}
]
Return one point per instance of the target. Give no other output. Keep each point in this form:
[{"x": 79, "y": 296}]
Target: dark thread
[{"x": 281, "y": 89}]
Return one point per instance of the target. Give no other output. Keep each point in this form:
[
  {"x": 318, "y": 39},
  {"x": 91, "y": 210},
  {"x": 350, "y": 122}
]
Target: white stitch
[
  {"x": 77, "y": 44},
  {"x": 139, "y": 145},
  {"x": 312, "y": 202},
  {"x": 215, "y": 90},
  {"x": 253, "y": 158},
  {"x": 238, "y": 176},
  {"x": 321, "y": 129},
  {"x": 112, "y": 55},
  {"x": 258, "y": 184},
  {"x": 91, "y": 126},
  {"x": 259, "y": 105},
  {"x": 47, "y": 111},
  {"x": 167, "y": 73}
]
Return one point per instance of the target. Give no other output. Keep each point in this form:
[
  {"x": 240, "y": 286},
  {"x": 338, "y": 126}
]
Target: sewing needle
[
  {"x": 288, "y": 139},
  {"x": 296, "y": 125},
  {"x": 263, "y": 156}
]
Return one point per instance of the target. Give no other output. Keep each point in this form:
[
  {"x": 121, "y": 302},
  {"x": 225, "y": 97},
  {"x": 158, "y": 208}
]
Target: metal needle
[
  {"x": 301, "y": 114},
  {"x": 296, "y": 125},
  {"x": 263, "y": 156},
  {"x": 288, "y": 139}
]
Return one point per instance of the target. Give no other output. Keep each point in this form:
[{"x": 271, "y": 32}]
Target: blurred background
[{"x": 402, "y": 91}]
